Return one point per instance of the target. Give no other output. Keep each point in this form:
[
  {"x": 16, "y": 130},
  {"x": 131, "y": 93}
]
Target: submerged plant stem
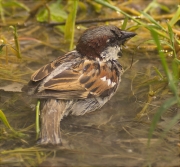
[
  {"x": 16, "y": 40},
  {"x": 37, "y": 119}
]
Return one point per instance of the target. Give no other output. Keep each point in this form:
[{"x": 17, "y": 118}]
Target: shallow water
[{"x": 110, "y": 136}]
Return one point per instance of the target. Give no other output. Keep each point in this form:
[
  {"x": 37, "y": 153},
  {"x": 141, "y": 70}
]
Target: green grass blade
[
  {"x": 175, "y": 18},
  {"x": 5, "y": 121},
  {"x": 16, "y": 40},
  {"x": 172, "y": 38},
  {"x": 158, "y": 72},
  {"x": 153, "y": 21},
  {"x": 175, "y": 70},
  {"x": 105, "y": 3},
  {"x": 70, "y": 24},
  {"x": 164, "y": 64},
  {"x": 167, "y": 104},
  {"x": 171, "y": 124},
  {"x": 2, "y": 12},
  {"x": 162, "y": 34},
  {"x": 123, "y": 27},
  {"x": 171, "y": 34},
  {"x": 16, "y": 4},
  {"x": 167, "y": 43},
  {"x": 150, "y": 6},
  {"x": 177, "y": 60},
  {"x": 151, "y": 41}
]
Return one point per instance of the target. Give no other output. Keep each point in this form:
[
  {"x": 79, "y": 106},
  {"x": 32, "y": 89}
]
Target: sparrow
[{"x": 79, "y": 82}]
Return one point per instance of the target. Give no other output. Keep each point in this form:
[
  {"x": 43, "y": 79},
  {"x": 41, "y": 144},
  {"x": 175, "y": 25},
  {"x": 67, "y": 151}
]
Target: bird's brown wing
[
  {"x": 48, "y": 68},
  {"x": 82, "y": 79}
]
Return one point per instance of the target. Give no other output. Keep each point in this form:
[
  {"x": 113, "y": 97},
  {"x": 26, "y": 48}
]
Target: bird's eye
[{"x": 111, "y": 41}]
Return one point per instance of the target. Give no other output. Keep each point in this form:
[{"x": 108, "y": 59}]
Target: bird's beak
[{"x": 127, "y": 35}]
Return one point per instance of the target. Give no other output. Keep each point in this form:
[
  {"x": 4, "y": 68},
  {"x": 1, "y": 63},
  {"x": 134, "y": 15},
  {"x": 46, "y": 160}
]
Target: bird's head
[{"x": 103, "y": 43}]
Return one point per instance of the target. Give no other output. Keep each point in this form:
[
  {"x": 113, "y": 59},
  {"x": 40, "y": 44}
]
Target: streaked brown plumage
[{"x": 79, "y": 82}]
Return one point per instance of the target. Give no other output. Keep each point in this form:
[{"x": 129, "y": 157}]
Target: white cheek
[{"x": 110, "y": 53}]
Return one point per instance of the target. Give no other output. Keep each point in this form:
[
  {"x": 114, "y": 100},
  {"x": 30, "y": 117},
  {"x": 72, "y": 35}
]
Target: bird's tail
[{"x": 52, "y": 112}]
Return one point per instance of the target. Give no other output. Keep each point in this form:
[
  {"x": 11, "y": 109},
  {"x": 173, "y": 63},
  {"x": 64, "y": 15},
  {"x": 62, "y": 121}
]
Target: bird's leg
[{"x": 51, "y": 114}]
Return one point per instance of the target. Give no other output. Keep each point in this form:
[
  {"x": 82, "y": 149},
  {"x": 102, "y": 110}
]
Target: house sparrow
[{"x": 79, "y": 82}]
